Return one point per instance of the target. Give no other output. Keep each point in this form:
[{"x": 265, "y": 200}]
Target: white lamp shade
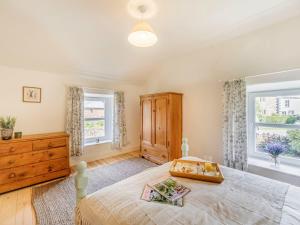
[{"x": 142, "y": 35}]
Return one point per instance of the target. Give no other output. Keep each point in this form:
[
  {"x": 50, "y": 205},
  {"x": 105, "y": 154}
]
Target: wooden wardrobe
[{"x": 161, "y": 126}]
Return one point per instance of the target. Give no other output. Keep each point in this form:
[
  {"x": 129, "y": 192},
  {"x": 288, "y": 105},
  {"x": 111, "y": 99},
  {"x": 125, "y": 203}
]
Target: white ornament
[{"x": 185, "y": 147}]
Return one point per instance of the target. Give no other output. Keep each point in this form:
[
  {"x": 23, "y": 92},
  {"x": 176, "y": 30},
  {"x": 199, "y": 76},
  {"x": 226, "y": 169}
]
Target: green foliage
[
  {"x": 98, "y": 124},
  {"x": 291, "y": 120},
  {"x": 277, "y": 119},
  {"x": 294, "y": 137},
  {"x": 8, "y": 122}
]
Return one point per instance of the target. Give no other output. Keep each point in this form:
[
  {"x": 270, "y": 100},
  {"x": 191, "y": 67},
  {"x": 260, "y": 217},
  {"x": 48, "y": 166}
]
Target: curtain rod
[
  {"x": 99, "y": 89},
  {"x": 263, "y": 75}
]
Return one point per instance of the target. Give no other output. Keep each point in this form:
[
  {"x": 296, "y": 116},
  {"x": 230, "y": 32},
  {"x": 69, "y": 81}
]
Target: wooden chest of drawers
[{"x": 33, "y": 159}]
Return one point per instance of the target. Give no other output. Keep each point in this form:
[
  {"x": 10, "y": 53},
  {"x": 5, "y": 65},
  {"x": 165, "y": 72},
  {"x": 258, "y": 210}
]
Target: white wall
[
  {"x": 200, "y": 76},
  {"x": 49, "y": 115}
]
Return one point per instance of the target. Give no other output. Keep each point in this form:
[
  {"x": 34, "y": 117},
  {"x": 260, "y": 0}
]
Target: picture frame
[{"x": 32, "y": 94}]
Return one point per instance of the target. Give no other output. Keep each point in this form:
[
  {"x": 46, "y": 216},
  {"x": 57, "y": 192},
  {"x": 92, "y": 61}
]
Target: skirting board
[{"x": 93, "y": 154}]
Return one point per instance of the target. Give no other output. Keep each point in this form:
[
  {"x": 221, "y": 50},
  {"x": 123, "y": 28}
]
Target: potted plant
[
  {"x": 7, "y": 124},
  {"x": 274, "y": 149}
]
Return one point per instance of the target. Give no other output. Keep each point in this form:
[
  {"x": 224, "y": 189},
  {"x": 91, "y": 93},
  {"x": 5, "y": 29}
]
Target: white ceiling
[{"x": 89, "y": 37}]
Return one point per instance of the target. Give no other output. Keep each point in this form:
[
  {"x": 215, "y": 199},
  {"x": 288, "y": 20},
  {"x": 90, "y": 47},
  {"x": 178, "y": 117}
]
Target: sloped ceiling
[{"x": 89, "y": 37}]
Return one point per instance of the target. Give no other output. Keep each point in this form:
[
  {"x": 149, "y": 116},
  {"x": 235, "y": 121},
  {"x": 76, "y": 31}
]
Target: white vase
[
  {"x": 185, "y": 147},
  {"x": 275, "y": 161}
]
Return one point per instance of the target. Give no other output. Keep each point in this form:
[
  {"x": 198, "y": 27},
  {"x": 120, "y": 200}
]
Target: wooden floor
[{"x": 16, "y": 207}]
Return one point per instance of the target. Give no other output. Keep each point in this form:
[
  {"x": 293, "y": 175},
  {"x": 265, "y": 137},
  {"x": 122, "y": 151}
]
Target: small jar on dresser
[{"x": 33, "y": 159}]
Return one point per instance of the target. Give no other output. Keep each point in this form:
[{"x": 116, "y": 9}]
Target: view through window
[
  {"x": 97, "y": 118},
  {"x": 276, "y": 120}
]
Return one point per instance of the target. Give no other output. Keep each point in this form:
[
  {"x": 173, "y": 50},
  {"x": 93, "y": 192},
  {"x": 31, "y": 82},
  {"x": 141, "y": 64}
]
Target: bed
[{"x": 242, "y": 198}]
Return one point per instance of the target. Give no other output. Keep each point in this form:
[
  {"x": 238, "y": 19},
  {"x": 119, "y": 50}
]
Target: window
[
  {"x": 262, "y": 99},
  {"x": 97, "y": 118},
  {"x": 277, "y": 125},
  {"x": 287, "y": 103}
]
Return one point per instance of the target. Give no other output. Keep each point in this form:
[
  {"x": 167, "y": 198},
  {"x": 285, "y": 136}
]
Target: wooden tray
[{"x": 196, "y": 170}]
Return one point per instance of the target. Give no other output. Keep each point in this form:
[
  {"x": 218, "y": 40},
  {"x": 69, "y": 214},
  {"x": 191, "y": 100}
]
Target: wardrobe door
[
  {"x": 146, "y": 129},
  {"x": 160, "y": 105}
]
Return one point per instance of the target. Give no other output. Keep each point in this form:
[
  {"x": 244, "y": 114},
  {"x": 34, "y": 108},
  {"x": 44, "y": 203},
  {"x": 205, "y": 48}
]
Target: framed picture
[{"x": 32, "y": 94}]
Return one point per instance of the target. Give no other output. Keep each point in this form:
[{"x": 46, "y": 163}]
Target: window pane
[
  {"x": 278, "y": 110},
  {"x": 94, "y": 129},
  {"x": 93, "y": 104},
  {"x": 90, "y": 113},
  {"x": 288, "y": 138}
]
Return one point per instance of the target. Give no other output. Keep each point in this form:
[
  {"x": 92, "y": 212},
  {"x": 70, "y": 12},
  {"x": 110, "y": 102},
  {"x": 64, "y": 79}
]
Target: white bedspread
[{"x": 242, "y": 198}]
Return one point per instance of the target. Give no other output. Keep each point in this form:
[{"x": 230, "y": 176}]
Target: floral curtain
[
  {"x": 119, "y": 123},
  {"x": 235, "y": 125},
  {"x": 75, "y": 119}
]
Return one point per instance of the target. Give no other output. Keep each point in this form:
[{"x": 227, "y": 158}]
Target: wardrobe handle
[
  {"x": 11, "y": 162},
  {"x": 50, "y": 168},
  {"x": 12, "y": 175}
]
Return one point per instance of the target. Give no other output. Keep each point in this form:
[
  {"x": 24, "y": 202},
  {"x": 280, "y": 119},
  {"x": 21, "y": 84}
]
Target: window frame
[
  {"x": 252, "y": 124},
  {"x": 108, "y": 117},
  {"x": 287, "y": 103}
]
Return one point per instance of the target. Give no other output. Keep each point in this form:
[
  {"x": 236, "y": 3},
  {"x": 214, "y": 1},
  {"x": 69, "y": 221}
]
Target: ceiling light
[
  {"x": 145, "y": 9},
  {"x": 142, "y": 35}
]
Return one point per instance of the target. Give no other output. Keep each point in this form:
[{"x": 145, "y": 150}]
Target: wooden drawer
[
  {"x": 157, "y": 155},
  {"x": 58, "y": 164},
  {"x": 154, "y": 159},
  {"x": 15, "y": 148},
  {"x": 32, "y": 157},
  {"x": 49, "y": 143},
  {"x": 33, "y": 180},
  {"x": 28, "y": 171},
  {"x": 57, "y": 153}
]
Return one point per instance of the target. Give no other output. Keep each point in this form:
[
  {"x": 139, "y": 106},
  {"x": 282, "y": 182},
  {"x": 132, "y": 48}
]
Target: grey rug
[{"x": 54, "y": 202}]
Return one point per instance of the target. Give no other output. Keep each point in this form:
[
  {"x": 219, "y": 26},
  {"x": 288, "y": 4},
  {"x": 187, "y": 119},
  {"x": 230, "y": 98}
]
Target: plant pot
[{"x": 7, "y": 134}]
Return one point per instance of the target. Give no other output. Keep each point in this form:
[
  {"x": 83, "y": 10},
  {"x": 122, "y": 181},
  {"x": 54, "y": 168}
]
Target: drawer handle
[
  {"x": 50, "y": 145},
  {"x": 50, "y": 168},
  {"x": 164, "y": 156},
  {"x": 145, "y": 150},
  {"x": 11, "y": 162},
  {"x": 51, "y": 154},
  {"x": 12, "y": 149},
  {"x": 11, "y": 175}
]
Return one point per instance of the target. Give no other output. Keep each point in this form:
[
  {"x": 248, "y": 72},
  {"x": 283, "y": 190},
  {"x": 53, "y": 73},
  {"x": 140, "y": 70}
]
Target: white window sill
[
  {"x": 267, "y": 165},
  {"x": 98, "y": 143}
]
